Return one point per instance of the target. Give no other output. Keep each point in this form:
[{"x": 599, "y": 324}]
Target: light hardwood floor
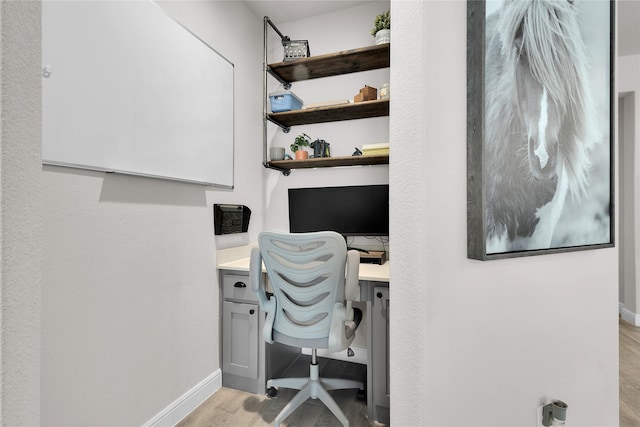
[
  {"x": 629, "y": 375},
  {"x": 233, "y": 408}
]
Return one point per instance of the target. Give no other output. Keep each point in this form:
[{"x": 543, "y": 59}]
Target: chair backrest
[{"x": 307, "y": 276}]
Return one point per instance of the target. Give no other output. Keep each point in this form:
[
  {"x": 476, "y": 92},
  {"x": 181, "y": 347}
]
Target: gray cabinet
[
  {"x": 242, "y": 350},
  {"x": 379, "y": 348},
  {"x": 247, "y": 361}
]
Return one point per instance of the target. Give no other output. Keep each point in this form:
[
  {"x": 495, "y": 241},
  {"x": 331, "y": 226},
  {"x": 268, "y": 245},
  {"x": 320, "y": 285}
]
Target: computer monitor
[{"x": 351, "y": 211}]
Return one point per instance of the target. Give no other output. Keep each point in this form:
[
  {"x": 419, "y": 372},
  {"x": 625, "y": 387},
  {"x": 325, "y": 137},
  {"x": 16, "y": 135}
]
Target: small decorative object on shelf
[
  {"x": 295, "y": 49},
  {"x": 302, "y": 140},
  {"x": 382, "y": 28},
  {"x": 321, "y": 148},
  {"x": 276, "y": 153},
  {"x": 367, "y": 93},
  {"x": 384, "y": 91}
]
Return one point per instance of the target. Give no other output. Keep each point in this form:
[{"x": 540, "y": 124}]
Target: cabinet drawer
[{"x": 237, "y": 287}]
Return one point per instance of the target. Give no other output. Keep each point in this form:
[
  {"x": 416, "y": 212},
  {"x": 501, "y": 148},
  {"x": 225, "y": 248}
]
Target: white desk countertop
[{"x": 240, "y": 262}]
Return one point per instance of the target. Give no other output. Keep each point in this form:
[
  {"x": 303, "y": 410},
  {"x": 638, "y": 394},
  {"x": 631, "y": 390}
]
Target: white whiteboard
[{"x": 132, "y": 91}]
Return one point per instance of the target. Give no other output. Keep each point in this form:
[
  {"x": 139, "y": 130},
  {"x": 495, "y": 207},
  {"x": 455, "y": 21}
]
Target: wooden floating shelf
[
  {"x": 326, "y": 162},
  {"x": 333, "y": 64},
  {"x": 333, "y": 113}
]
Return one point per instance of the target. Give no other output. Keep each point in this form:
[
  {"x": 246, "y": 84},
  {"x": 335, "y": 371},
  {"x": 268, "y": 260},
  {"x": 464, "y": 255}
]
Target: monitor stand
[
  {"x": 373, "y": 257},
  {"x": 368, "y": 257}
]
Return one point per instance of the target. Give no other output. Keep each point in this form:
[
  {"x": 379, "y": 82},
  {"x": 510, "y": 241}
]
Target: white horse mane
[{"x": 547, "y": 34}]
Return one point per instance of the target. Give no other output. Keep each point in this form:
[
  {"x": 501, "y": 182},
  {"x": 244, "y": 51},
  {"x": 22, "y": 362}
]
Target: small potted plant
[
  {"x": 302, "y": 140},
  {"x": 382, "y": 28}
]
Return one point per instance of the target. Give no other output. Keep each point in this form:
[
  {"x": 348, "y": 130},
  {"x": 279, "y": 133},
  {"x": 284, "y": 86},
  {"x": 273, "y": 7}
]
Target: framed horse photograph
[{"x": 540, "y": 131}]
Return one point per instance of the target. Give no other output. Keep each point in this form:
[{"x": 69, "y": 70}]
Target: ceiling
[{"x": 292, "y": 10}]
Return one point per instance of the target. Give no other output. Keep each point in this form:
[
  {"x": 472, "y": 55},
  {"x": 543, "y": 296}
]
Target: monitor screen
[{"x": 350, "y": 211}]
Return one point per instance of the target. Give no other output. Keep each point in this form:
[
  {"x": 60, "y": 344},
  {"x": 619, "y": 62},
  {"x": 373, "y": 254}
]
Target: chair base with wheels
[{"x": 313, "y": 387}]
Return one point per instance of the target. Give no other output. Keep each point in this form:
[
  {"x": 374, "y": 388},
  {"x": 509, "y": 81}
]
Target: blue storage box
[{"x": 284, "y": 101}]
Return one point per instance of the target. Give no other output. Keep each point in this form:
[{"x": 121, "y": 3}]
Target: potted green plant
[
  {"x": 382, "y": 28},
  {"x": 302, "y": 140}
]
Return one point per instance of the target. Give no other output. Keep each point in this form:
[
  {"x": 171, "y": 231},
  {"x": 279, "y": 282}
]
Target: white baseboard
[
  {"x": 185, "y": 404},
  {"x": 629, "y": 316}
]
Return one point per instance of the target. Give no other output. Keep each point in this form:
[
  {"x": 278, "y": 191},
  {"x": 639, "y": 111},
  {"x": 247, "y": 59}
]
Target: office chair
[{"x": 314, "y": 280}]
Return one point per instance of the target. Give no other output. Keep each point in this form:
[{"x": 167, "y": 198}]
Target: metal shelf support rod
[
  {"x": 268, "y": 21},
  {"x": 265, "y": 117},
  {"x": 264, "y": 94}
]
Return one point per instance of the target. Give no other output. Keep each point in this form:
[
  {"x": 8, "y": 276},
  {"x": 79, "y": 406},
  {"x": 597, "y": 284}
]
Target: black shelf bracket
[
  {"x": 285, "y": 172},
  {"x": 284, "y": 128},
  {"x": 285, "y": 84}
]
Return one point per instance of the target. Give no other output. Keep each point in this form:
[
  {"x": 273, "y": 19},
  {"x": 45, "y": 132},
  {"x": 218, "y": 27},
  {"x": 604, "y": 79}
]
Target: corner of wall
[{"x": 21, "y": 210}]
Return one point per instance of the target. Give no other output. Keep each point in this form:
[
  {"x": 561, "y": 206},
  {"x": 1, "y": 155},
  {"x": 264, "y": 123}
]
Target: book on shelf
[
  {"x": 325, "y": 104},
  {"x": 375, "y": 146},
  {"x": 380, "y": 152},
  {"x": 375, "y": 149}
]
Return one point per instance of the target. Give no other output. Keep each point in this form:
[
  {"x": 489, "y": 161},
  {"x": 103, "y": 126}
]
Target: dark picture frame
[{"x": 540, "y": 127}]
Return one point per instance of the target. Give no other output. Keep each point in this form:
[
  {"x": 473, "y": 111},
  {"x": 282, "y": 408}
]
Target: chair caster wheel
[{"x": 272, "y": 392}]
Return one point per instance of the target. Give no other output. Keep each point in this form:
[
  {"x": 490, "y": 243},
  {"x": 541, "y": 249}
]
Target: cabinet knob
[
  {"x": 252, "y": 311},
  {"x": 239, "y": 285},
  {"x": 379, "y": 294}
]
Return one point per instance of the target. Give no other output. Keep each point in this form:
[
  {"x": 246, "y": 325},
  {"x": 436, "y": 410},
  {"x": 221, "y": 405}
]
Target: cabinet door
[
  {"x": 380, "y": 350},
  {"x": 240, "y": 339}
]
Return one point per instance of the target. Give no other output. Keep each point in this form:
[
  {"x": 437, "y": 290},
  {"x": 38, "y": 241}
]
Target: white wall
[
  {"x": 628, "y": 92},
  {"x": 479, "y": 343},
  {"x": 130, "y": 292},
  {"x": 20, "y": 214}
]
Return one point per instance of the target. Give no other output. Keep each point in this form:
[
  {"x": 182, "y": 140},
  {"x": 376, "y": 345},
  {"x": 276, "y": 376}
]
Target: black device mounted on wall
[{"x": 230, "y": 219}]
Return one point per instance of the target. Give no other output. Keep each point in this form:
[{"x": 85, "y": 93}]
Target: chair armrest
[
  {"x": 351, "y": 288},
  {"x": 255, "y": 276},
  {"x": 268, "y": 306},
  {"x": 337, "y": 335}
]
